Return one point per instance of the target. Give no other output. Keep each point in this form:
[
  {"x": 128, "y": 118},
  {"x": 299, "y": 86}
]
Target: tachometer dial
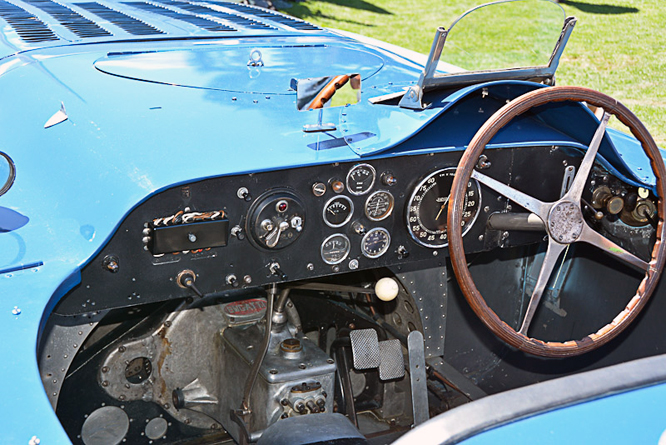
[
  {"x": 335, "y": 249},
  {"x": 338, "y": 211},
  {"x": 376, "y": 242},
  {"x": 428, "y": 206},
  {"x": 360, "y": 179},
  {"x": 379, "y": 205}
]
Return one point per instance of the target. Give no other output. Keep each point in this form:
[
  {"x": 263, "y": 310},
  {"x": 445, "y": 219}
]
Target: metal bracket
[{"x": 319, "y": 126}]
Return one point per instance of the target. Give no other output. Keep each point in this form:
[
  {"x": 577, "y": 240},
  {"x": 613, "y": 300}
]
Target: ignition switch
[{"x": 276, "y": 219}]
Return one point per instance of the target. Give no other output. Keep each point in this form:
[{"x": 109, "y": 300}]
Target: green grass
[{"x": 618, "y": 46}]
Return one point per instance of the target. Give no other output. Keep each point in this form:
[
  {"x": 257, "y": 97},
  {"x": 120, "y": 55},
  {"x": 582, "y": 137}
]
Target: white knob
[{"x": 387, "y": 289}]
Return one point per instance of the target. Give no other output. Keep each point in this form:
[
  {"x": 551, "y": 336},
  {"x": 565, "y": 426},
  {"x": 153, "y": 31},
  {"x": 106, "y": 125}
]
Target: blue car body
[{"x": 158, "y": 95}]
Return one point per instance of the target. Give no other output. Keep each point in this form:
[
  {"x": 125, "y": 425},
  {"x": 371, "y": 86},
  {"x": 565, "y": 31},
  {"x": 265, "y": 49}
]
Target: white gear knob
[{"x": 387, "y": 289}]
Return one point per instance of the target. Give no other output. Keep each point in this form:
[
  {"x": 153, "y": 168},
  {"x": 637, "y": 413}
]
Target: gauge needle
[{"x": 442, "y": 208}]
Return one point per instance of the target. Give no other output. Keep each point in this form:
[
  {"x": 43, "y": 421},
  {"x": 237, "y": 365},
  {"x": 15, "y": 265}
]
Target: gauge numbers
[
  {"x": 428, "y": 207},
  {"x": 335, "y": 248},
  {"x": 379, "y": 205},
  {"x": 360, "y": 179},
  {"x": 376, "y": 242},
  {"x": 338, "y": 211}
]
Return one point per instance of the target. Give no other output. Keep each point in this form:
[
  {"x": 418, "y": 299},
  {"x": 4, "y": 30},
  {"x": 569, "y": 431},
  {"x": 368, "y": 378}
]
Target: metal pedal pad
[
  {"x": 391, "y": 363},
  {"x": 365, "y": 348}
]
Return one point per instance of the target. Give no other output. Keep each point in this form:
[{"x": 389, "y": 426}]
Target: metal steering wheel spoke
[
  {"x": 575, "y": 192},
  {"x": 524, "y": 200},
  {"x": 553, "y": 253},
  {"x": 591, "y": 237}
]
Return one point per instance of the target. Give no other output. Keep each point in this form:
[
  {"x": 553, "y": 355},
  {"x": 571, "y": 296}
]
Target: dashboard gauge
[
  {"x": 360, "y": 179},
  {"x": 428, "y": 207},
  {"x": 379, "y": 205},
  {"x": 335, "y": 249},
  {"x": 376, "y": 242},
  {"x": 276, "y": 219},
  {"x": 338, "y": 211}
]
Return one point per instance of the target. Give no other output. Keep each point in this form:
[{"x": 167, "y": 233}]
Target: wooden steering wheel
[{"x": 563, "y": 221}]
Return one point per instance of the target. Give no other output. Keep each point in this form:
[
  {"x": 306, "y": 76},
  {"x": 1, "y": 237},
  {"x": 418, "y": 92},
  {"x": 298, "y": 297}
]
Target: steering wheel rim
[{"x": 465, "y": 171}]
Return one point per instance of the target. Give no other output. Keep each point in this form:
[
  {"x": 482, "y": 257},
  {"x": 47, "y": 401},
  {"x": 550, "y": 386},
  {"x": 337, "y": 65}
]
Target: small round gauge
[
  {"x": 360, "y": 179},
  {"x": 376, "y": 242},
  {"x": 338, "y": 211},
  {"x": 335, "y": 249},
  {"x": 379, "y": 205},
  {"x": 428, "y": 207}
]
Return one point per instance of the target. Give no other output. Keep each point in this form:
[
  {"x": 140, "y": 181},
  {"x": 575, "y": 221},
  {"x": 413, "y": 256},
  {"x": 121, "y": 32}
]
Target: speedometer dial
[{"x": 428, "y": 206}]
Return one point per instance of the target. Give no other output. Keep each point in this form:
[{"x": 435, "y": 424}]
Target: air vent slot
[
  {"x": 71, "y": 20},
  {"x": 235, "y": 19},
  {"x": 208, "y": 25},
  {"x": 130, "y": 24},
  {"x": 26, "y": 25},
  {"x": 269, "y": 15}
]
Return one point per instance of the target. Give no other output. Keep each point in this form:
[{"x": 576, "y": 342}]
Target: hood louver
[
  {"x": 207, "y": 24},
  {"x": 71, "y": 20},
  {"x": 26, "y": 25},
  {"x": 39, "y": 22},
  {"x": 129, "y": 24},
  {"x": 273, "y": 16},
  {"x": 206, "y": 10}
]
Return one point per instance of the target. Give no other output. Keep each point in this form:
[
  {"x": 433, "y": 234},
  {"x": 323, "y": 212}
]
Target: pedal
[
  {"x": 391, "y": 361},
  {"x": 417, "y": 377},
  {"x": 365, "y": 348}
]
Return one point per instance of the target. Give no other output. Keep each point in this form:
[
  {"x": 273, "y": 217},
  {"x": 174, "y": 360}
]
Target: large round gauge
[
  {"x": 360, "y": 179},
  {"x": 338, "y": 211},
  {"x": 428, "y": 206},
  {"x": 376, "y": 242},
  {"x": 335, "y": 249},
  {"x": 379, "y": 205}
]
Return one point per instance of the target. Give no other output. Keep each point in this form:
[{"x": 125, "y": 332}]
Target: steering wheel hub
[{"x": 565, "y": 222}]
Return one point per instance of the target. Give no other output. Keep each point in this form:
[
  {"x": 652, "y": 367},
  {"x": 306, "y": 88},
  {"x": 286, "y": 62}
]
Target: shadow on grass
[
  {"x": 600, "y": 9},
  {"x": 355, "y": 4},
  {"x": 305, "y": 13}
]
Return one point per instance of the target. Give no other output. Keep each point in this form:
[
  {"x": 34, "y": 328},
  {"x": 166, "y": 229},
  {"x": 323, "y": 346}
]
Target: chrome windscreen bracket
[{"x": 430, "y": 80}]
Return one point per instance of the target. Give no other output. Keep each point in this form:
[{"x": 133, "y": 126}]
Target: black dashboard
[{"x": 224, "y": 234}]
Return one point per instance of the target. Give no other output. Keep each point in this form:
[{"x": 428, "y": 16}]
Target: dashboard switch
[
  {"x": 232, "y": 280},
  {"x": 318, "y": 189},
  {"x": 402, "y": 252},
  {"x": 274, "y": 268},
  {"x": 388, "y": 179}
]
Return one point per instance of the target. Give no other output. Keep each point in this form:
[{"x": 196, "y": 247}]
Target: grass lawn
[{"x": 618, "y": 46}]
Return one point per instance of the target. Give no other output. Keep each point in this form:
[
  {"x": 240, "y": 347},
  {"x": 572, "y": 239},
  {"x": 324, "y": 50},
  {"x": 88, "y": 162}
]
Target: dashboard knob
[{"x": 387, "y": 289}]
